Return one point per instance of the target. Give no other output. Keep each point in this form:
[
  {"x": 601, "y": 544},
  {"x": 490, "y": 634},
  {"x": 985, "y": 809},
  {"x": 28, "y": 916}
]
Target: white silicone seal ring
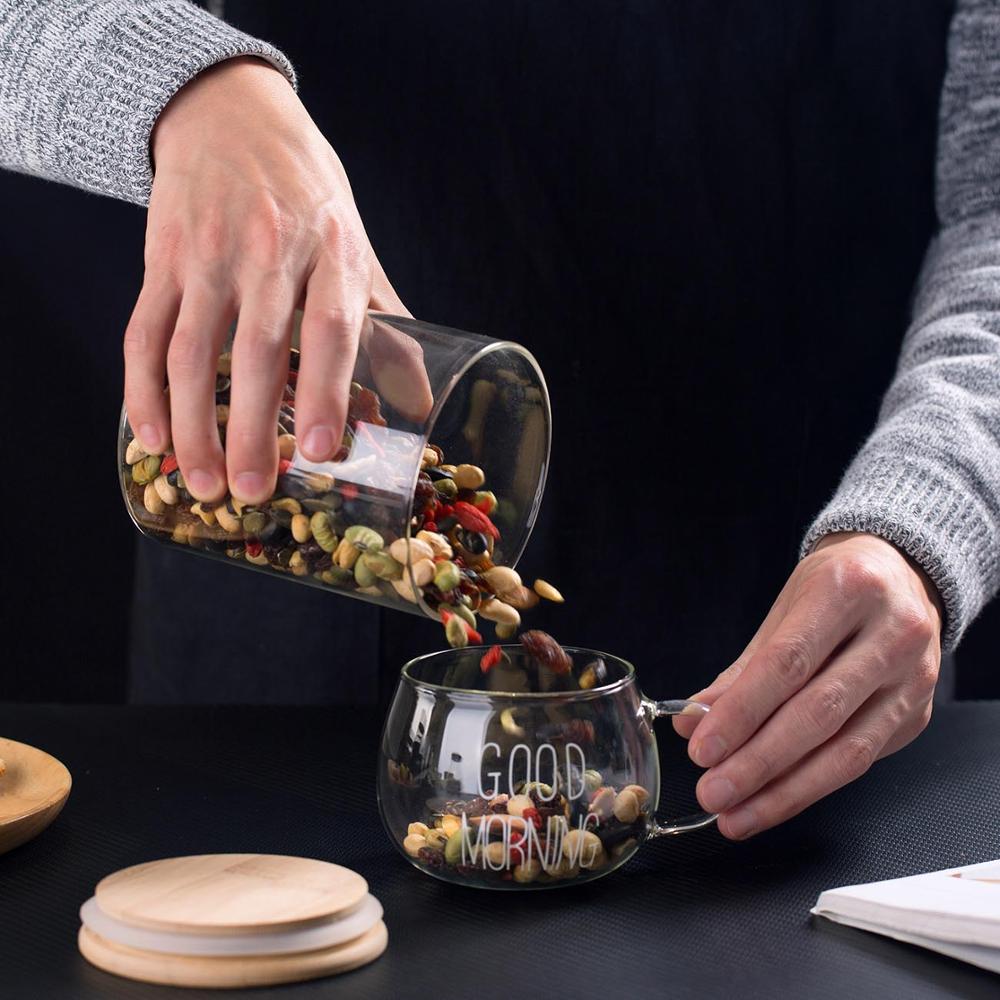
[{"x": 332, "y": 932}]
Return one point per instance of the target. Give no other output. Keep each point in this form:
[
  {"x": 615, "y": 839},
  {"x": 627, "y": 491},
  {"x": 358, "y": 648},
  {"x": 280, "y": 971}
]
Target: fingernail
[
  {"x": 150, "y": 438},
  {"x": 249, "y": 485},
  {"x": 717, "y": 794},
  {"x": 741, "y": 823},
  {"x": 319, "y": 441},
  {"x": 202, "y": 483},
  {"x": 708, "y": 751}
]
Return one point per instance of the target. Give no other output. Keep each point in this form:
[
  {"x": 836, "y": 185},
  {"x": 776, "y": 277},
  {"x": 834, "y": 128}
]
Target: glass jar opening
[{"x": 517, "y": 675}]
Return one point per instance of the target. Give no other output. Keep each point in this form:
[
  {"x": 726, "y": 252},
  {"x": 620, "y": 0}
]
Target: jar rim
[
  {"x": 472, "y": 694},
  {"x": 487, "y": 346}
]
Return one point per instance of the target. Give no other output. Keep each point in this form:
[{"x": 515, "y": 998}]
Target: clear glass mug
[
  {"x": 484, "y": 782},
  {"x": 425, "y": 400}
]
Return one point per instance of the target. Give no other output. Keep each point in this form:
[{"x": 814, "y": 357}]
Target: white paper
[{"x": 955, "y": 911}]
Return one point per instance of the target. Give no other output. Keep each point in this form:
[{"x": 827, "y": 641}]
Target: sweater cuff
[
  {"x": 143, "y": 54},
  {"x": 915, "y": 502}
]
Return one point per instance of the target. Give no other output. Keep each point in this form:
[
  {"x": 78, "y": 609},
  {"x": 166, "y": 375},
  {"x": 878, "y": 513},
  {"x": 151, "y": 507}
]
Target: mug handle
[{"x": 658, "y": 710}]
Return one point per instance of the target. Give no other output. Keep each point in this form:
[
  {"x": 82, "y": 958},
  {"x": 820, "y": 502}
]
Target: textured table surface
[{"x": 693, "y": 916}]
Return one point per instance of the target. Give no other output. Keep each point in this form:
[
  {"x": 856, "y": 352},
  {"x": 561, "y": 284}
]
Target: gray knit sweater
[{"x": 82, "y": 83}]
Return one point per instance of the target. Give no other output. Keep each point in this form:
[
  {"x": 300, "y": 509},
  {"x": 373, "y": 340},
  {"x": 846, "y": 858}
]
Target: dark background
[{"x": 705, "y": 220}]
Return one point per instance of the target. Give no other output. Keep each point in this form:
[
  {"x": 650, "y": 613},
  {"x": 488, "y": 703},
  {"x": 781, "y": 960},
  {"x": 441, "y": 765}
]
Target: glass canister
[{"x": 433, "y": 493}]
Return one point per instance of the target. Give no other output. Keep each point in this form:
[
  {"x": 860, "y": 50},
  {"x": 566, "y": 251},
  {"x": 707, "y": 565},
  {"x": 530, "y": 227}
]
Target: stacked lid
[{"x": 231, "y": 920}]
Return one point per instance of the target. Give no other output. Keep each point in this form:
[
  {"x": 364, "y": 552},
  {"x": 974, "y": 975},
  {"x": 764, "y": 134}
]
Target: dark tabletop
[{"x": 693, "y": 916}]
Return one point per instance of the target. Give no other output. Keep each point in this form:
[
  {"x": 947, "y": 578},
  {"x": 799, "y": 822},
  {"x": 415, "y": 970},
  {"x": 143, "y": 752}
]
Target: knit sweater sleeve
[
  {"x": 928, "y": 478},
  {"x": 83, "y": 81}
]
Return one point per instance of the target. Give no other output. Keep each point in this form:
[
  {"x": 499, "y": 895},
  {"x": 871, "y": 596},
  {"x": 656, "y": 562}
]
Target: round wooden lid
[
  {"x": 228, "y": 973},
  {"x": 238, "y": 893}
]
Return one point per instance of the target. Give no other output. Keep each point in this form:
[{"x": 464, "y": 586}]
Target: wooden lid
[
  {"x": 221, "y": 973},
  {"x": 238, "y": 893}
]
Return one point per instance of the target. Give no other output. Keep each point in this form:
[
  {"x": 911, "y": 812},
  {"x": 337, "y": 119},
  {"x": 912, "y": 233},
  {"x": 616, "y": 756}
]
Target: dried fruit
[
  {"x": 490, "y": 659},
  {"x": 547, "y": 651},
  {"x": 473, "y": 519}
]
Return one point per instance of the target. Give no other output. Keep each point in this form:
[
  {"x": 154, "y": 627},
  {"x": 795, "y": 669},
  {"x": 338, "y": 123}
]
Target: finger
[
  {"x": 804, "y": 722},
  {"x": 910, "y": 731},
  {"x": 779, "y": 668},
  {"x": 383, "y": 295},
  {"x": 396, "y": 362},
  {"x": 335, "y": 309},
  {"x": 836, "y": 763},
  {"x": 192, "y": 358},
  {"x": 259, "y": 374},
  {"x": 146, "y": 339}
]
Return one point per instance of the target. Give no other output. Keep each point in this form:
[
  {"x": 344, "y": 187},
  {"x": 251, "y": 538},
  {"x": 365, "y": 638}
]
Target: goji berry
[
  {"x": 532, "y": 816},
  {"x": 474, "y": 637},
  {"x": 349, "y": 491},
  {"x": 284, "y": 464},
  {"x": 490, "y": 659},
  {"x": 430, "y": 526},
  {"x": 168, "y": 464},
  {"x": 254, "y": 548},
  {"x": 473, "y": 519}
]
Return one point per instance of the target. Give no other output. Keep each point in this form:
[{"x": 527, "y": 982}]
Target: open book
[{"x": 955, "y": 912}]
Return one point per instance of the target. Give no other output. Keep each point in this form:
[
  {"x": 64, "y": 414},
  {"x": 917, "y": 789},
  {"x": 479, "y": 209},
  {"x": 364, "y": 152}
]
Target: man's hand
[
  {"x": 251, "y": 213},
  {"x": 841, "y": 673}
]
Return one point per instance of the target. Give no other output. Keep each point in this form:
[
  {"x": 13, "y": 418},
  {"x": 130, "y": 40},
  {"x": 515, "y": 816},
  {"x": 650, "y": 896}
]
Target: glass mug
[
  {"x": 424, "y": 397},
  {"x": 486, "y": 783}
]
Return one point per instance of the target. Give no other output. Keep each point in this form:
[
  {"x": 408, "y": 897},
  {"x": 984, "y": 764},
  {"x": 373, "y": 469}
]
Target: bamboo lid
[{"x": 234, "y": 893}]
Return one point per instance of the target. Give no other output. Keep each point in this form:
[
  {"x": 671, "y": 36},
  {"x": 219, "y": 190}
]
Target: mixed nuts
[
  {"x": 578, "y": 821},
  {"x": 340, "y": 532},
  {"x": 534, "y": 835}
]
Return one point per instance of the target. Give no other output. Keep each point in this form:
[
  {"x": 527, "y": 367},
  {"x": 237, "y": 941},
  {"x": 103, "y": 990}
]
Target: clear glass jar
[
  {"x": 520, "y": 778},
  {"x": 444, "y": 426}
]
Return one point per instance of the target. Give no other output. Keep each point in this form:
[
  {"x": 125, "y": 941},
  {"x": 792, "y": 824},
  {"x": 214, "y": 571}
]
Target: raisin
[
  {"x": 364, "y": 406},
  {"x": 471, "y": 807},
  {"x": 430, "y": 857},
  {"x": 547, "y": 651},
  {"x": 424, "y": 495}
]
